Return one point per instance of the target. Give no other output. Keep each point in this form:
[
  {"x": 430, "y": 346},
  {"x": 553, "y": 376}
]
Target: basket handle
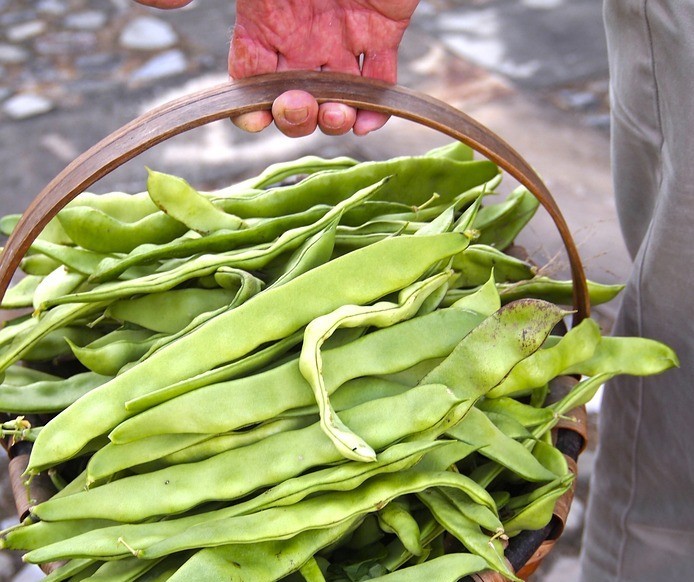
[{"x": 258, "y": 93}]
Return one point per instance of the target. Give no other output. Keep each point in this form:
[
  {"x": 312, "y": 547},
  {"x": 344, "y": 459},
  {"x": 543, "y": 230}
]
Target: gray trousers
[{"x": 640, "y": 519}]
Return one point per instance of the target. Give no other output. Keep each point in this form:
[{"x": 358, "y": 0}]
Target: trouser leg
[{"x": 640, "y": 520}]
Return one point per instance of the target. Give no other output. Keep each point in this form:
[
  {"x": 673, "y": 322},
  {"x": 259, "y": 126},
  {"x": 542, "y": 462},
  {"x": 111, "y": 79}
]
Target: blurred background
[{"x": 534, "y": 71}]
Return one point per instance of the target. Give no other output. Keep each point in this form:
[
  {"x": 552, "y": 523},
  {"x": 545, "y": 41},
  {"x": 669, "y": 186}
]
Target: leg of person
[{"x": 640, "y": 519}]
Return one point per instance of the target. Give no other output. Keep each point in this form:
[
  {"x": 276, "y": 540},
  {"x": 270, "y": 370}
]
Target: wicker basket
[{"x": 525, "y": 551}]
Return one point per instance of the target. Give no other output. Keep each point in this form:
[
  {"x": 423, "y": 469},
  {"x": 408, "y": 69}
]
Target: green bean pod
[
  {"x": 56, "y": 343},
  {"x": 415, "y": 178},
  {"x": 627, "y": 355},
  {"x": 42, "y": 533},
  {"x": 21, "y": 295},
  {"x": 259, "y": 232},
  {"x": 381, "y": 314},
  {"x": 526, "y": 415},
  {"x": 120, "y": 205},
  {"x": 108, "y": 354},
  {"x": 72, "y": 569},
  {"x": 175, "y": 489},
  {"x": 203, "y": 265},
  {"x": 181, "y": 201},
  {"x": 476, "y": 264},
  {"x": 38, "y": 265},
  {"x": 246, "y": 365},
  {"x": 59, "y": 282},
  {"x": 395, "y": 518},
  {"x": 316, "y": 251},
  {"x": 312, "y": 513},
  {"x": 448, "y": 568},
  {"x": 480, "y": 432},
  {"x": 284, "y": 388},
  {"x": 539, "y": 509},
  {"x": 52, "y": 232},
  {"x": 125, "y": 570},
  {"x": 467, "y": 532},
  {"x": 577, "y": 345},
  {"x": 169, "y": 311},
  {"x": 21, "y": 375},
  {"x": 208, "y": 446},
  {"x": 276, "y": 173},
  {"x": 500, "y": 224},
  {"x": 311, "y": 571},
  {"x": 45, "y": 396},
  {"x": 75, "y": 258},
  {"x": 103, "y": 540},
  {"x": 98, "y": 231},
  {"x": 486, "y": 355},
  {"x": 270, "y": 560}
]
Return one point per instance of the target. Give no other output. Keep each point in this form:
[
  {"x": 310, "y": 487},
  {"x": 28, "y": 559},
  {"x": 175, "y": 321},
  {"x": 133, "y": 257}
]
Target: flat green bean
[
  {"x": 577, "y": 345},
  {"x": 182, "y": 202},
  {"x": 500, "y": 224},
  {"x": 169, "y": 311},
  {"x": 539, "y": 511},
  {"x": 414, "y": 180},
  {"x": 207, "y": 264},
  {"x": 98, "y": 231},
  {"x": 381, "y": 314},
  {"x": 486, "y": 355},
  {"x": 316, "y": 251},
  {"x": 448, "y": 568},
  {"x": 276, "y": 173},
  {"x": 262, "y": 231},
  {"x": 312, "y": 513},
  {"x": 627, "y": 355},
  {"x": 210, "y": 446},
  {"x": 476, "y": 263},
  {"x": 57, "y": 342},
  {"x": 175, "y": 489},
  {"x": 246, "y": 365},
  {"x": 284, "y": 388},
  {"x": 480, "y": 432},
  {"x": 394, "y": 518},
  {"x": 120, "y": 205},
  {"x": 467, "y": 532},
  {"x": 38, "y": 265},
  {"x": 75, "y": 258},
  {"x": 59, "y": 282},
  {"x": 104, "y": 541},
  {"x": 114, "y": 458},
  {"x": 21, "y": 295},
  {"x": 259, "y": 562},
  {"x": 45, "y": 396}
]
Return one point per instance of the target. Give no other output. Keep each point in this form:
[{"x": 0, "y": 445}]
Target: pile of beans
[{"x": 331, "y": 371}]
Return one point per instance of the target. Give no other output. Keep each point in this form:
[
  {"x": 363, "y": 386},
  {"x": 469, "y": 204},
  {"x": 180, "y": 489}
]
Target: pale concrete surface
[{"x": 534, "y": 71}]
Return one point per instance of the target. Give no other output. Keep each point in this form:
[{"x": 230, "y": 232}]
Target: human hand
[{"x": 359, "y": 37}]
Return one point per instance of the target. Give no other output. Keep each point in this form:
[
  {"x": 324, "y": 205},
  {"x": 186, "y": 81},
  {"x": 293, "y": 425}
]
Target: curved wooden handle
[{"x": 258, "y": 93}]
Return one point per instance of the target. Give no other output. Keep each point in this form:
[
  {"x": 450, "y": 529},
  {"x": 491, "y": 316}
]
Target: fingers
[
  {"x": 164, "y": 4},
  {"x": 295, "y": 113},
  {"x": 253, "y": 122},
  {"x": 381, "y": 65},
  {"x": 336, "y": 118},
  {"x": 247, "y": 58}
]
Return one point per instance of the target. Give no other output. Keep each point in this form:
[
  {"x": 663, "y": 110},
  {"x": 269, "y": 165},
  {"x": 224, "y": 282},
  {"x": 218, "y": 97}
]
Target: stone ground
[{"x": 534, "y": 71}]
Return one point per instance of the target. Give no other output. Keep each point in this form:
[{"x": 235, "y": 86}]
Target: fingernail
[
  {"x": 296, "y": 116},
  {"x": 334, "y": 119}
]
